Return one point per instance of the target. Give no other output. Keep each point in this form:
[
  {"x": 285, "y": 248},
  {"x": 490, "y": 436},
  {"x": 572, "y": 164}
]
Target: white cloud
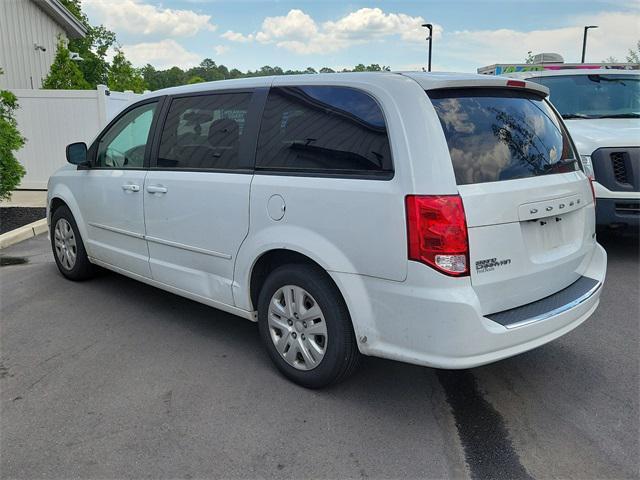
[
  {"x": 295, "y": 26},
  {"x": 221, "y": 49},
  {"x": 370, "y": 23},
  {"x": 617, "y": 33},
  {"x": 300, "y": 33},
  {"x": 163, "y": 54},
  {"x": 135, "y": 16},
  {"x": 465, "y": 50},
  {"x": 237, "y": 37}
]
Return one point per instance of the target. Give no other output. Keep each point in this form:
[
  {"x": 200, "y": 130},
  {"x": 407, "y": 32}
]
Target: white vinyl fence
[{"x": 51, "y": 119}]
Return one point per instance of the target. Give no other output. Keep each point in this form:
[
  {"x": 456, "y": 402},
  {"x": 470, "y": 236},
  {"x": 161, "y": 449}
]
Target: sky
[{"x": 247, "y": 34}]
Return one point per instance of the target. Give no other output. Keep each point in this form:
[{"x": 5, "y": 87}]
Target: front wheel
[
  {"x": 305, "y": 326},
  {"x": 68, "y": 248}
]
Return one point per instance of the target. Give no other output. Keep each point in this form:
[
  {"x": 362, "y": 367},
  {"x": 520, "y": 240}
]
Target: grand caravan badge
[{"x": 490, "y": 264}]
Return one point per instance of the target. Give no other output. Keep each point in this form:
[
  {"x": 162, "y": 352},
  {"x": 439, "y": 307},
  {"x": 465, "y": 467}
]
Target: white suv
[
  {"x": 436, "y": 219},
  {"x": 601, "y": 109}
]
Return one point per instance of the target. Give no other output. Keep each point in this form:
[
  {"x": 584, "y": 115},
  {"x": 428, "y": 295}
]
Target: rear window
[{"x": 499, "y": 134}]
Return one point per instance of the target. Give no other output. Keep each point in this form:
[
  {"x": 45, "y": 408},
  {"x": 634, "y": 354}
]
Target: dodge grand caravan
[{"x": 436, "y": 219}]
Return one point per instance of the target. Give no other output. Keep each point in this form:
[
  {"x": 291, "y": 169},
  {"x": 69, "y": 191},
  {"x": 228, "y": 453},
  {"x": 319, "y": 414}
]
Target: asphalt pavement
[{"x": 111, "y": 378}]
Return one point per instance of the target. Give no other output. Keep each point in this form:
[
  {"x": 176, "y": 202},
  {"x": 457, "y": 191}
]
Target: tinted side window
[
  {"x": 323, "y": 129},
  {"x": 203, "y": 132},
  {"x": 124, "y": 144}
]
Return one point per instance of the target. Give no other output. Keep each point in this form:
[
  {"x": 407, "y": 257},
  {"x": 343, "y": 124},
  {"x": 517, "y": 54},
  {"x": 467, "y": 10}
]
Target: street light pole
[
  {"x": 430, "y": 38},
  {"x": 584, "y": 40}
]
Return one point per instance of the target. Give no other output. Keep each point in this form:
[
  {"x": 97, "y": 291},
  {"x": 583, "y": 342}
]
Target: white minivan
[{"x": 436, "y": 219}]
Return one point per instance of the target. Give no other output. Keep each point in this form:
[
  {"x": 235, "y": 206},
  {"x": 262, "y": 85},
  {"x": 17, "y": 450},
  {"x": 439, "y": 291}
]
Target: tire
[
  {"x": 75, "y": 265},
  {"x": 317, "y": 359}
]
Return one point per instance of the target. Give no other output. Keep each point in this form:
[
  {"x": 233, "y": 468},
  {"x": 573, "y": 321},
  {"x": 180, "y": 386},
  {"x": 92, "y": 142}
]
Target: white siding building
[{"x": 28, "y": 35}]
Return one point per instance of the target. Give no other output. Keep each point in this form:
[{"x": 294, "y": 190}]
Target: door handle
[
  {"x": 129, "y": 187},
  {"x": 156, "y": 189}
]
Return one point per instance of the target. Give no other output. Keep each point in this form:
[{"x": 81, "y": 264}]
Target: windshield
[
  {"x": 500, "y": 134},
  {"x": 594, "y": 96}
]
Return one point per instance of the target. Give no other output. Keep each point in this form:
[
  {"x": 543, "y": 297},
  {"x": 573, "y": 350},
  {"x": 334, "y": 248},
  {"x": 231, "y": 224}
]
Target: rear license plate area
[
  {"x": 550, "y": 231},
  {"x": 550, "y": 238}
]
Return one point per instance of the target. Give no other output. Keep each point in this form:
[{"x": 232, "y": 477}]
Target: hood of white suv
[{"x": 591, "y": 134}]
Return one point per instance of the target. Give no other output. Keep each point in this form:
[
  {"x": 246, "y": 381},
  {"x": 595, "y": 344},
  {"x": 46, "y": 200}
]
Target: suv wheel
[
  {"x": 305, "y": 326},
  {"x": 67, "y": 246}
]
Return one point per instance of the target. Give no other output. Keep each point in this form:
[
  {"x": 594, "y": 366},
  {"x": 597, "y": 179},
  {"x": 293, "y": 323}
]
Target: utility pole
[
  {"x": 430, "y": 38},
  {"x": 584, "y": 40}
]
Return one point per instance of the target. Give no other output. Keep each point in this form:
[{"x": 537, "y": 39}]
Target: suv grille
[
  {"x": 628, "y": 208},
  {"x": 619, "y": 167}
]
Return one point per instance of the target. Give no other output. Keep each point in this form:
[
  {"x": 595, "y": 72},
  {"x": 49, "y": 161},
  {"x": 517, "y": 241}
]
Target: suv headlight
[{"x": 587, "y": 166}]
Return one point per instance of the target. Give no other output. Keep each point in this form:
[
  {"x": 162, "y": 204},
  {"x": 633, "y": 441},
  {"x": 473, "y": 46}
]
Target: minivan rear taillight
[{"x": 437, "y": 232}]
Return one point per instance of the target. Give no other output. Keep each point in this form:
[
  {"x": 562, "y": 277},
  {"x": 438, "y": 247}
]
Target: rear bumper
[
  {"x": 438, "y": 323},
  {"x": 618, "y": 211}
]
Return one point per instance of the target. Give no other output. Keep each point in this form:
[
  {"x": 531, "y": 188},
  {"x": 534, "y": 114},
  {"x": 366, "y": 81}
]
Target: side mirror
[{"x": 77, "y": 153}]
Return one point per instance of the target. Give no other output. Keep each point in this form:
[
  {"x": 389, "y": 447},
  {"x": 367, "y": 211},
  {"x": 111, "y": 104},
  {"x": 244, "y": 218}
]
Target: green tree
[
  {"x": 123, "y": 76},
  {"x": 151, "y": 77},
  {"x": 610, "y": 59},
  {"x": 172, "y": 77},
  {"x": 208, "y": 64},
  {"x": 208, "y": 71},
  {"x": 75, "y": 7},
  {"x": 64, "y": 73},
  {"x": 268, "y": 70},
  {"x": 634, "y": 55},
  {"x": 11, "y": 172},
  {"x": 223, "y": 73},
  {"x": 157, "y": 79},
  {"x": 374, "y": 67},
  {"x": 92, "y": 48}
]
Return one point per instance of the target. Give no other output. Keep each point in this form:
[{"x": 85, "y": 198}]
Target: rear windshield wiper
[{"x": 561, "y": 166}]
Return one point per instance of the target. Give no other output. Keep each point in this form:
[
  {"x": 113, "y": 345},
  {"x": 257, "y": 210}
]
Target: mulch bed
[{"x": 14, "y": 217}]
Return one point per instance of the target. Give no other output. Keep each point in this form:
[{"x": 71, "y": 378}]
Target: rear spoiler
[{"x": 438, "y": 81}]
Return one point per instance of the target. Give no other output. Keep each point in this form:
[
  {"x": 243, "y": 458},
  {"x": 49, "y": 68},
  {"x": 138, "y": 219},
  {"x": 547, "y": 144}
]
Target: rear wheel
[
  {"x": 305, "y": 326},
  {"x": 67, "y": 246}
]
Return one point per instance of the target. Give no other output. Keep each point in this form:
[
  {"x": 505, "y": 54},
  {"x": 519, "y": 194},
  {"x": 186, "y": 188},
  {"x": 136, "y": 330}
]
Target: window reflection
[
  {"x": 323, "y": 129},
  {"x": 204, "y": 132},
  {"x": 496, "y": 136}
]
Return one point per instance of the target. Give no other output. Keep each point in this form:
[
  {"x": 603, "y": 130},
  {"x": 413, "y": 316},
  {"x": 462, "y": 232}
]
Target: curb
[{"x": 23, "y": 233}]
